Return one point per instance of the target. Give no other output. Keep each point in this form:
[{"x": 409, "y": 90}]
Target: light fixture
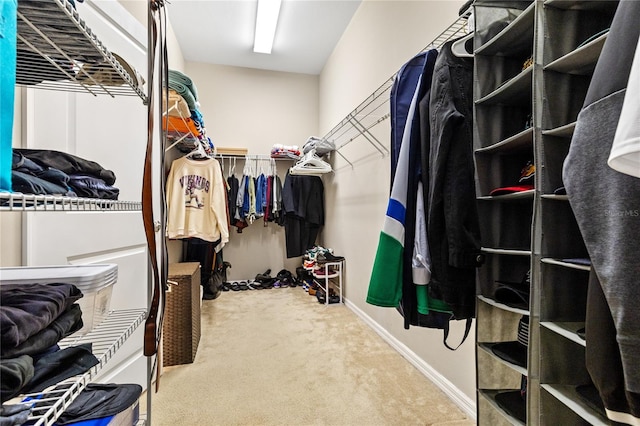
[{"x": 266, "y": 21}]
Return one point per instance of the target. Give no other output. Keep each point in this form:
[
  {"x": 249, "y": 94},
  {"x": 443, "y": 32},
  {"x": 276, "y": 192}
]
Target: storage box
[
  {"x": 94, "y": 281},
  {"x": 181, "y": 327}
]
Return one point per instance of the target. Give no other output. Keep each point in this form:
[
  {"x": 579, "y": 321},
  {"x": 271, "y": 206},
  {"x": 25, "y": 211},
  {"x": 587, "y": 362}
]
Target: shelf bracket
[{"x": 368, "y": 136}]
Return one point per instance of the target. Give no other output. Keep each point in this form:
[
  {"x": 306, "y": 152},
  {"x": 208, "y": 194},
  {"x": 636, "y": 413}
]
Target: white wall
[
  {"x": 381, "y": 37},
  {"x": 255, "y": 109}
]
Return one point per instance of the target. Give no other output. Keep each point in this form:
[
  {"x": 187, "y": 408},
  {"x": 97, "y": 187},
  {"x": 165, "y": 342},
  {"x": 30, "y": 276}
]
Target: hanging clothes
[
  {"x": 303, "y": 201},
  {"x": 196, "y": 199},
  {"x": 453, "y": 227},
  {"x": 605, "y": 204},
  {"x": 232, "y": 195}
]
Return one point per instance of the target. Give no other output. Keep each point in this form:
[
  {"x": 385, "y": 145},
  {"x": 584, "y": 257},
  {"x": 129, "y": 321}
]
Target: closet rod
[
  {"x": 363, "y": 114},
  {"x": 252, "y": 157}
]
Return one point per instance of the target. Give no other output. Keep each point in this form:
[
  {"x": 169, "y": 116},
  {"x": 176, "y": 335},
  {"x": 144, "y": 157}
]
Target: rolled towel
[{"x": 185, "y": 87}]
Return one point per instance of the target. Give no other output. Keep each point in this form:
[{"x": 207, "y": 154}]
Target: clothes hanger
[
  {"x": 198, "y": 152},
  {"x": 310, "y": 164},
  {"x": 459, "y": 47}
]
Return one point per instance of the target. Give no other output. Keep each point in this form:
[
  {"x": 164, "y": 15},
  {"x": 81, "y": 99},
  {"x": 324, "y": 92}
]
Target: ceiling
[{"x": 221, "y": 32}]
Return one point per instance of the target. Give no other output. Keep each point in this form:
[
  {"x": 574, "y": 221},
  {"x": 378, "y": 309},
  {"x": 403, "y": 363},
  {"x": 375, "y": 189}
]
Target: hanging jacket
[{"x": 453, "y": 228}]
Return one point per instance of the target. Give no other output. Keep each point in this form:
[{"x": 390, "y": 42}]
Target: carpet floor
[{"x": 278, "y": 357}]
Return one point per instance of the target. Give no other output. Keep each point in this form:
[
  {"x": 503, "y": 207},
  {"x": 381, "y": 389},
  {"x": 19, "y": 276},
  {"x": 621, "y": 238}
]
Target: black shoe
[{"x": 327, "y": 257}]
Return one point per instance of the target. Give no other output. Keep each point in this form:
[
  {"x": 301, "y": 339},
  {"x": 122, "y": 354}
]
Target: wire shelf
[
  {"x": 106, "y": 339},
  {"x": 375, "y": 108},
  {"x": 56, "y": 50},
  {"x": 17, "y": 201}
]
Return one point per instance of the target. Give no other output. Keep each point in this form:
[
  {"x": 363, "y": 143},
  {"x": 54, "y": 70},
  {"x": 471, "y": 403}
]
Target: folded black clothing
[
  {"x": 15, "y": 373},
  {"x": 68, "y": 163},
  {"x": 29, "y": 308},
  {"x": 57, "y": 366},
  {"x": 93, "y": 187},
  {"x": 29, "y": 184},
  {"x": 64, "y": 325},
  {"x": 100, "y": 400}
]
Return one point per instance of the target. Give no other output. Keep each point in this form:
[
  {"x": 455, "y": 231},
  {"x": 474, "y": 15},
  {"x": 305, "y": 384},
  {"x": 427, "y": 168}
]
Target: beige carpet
[{"x": 278, "y": 357}]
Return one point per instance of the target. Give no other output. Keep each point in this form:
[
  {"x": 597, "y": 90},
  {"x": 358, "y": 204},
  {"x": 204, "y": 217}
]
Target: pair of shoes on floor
[
  {"x": 238, "y": 285},
  {"x": 333, "y": 297}
]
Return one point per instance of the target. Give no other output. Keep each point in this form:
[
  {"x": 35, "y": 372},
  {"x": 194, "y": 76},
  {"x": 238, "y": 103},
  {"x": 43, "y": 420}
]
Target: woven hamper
[{"x": 181, "y": 329}]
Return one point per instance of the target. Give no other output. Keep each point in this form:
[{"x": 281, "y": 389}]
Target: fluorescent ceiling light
[{"x": 266, "y": 21}]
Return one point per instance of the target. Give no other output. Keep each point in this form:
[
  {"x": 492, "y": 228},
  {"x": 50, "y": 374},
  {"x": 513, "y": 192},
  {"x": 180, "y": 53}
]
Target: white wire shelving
[
  {"x": 17, "y": 201},
  {"x": 106, "y": 339},
  {"x": 56, "y": 50}
]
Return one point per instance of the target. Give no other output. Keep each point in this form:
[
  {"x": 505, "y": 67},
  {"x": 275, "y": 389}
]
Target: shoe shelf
[
  {"x": 489, "y": 396},
  {"x": 579, "y": 4},
  {"x": 502, "y": 306},
  {"x": 506, "y": 251},
  {"x": 523, "y": 195},
  {"x": 328, "y": 278},
  {"x": 55, "y": 48},
  {"x": 565, "y": 131},
  {"x": 565, "y": 264},
  {"x": 569, "y": 397},
  {"x": 517, "y": 142},
  {"x": 516, "y": 91},
  {"x": 568, "y": 330},
  {"x": 581, "y": 61},
  {"x": 17, "y": 201},
  {"x": 106, "y": 339},
  {"x": 514, "y": 39},
  {"x": 487, "y": 348}
]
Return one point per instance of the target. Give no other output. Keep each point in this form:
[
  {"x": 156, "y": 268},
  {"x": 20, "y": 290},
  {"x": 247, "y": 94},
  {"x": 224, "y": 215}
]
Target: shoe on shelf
[
  {"x": 328, "y": 258},
  {"x": 322, "y": 273}
]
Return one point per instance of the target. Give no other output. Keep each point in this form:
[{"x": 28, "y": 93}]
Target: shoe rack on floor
[
  {"x": 330, "y": 276},
  {"x": 527, "y": 113}
]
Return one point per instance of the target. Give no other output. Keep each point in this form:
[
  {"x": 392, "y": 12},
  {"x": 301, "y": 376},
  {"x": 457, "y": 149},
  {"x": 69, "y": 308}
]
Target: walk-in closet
[{"x": 393, "y": 212}]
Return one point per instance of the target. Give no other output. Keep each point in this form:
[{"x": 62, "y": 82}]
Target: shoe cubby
[
  {"x": 506, "y": 224},
  {"x": 504, "y": 30},
  {"x": 490, "y": 411},
  {"x": 508, "y": 79},
  {"x": 501, "y": 267},
  {"x": 563, "y": 293},
  {"x": 527, "y": 112},
  {"x": 561, "y": 237},
  {"x": 502, "y": 169},
  {"x": 502, "y": 127},
  {"x": 564, "y": 95},
  {"x": 569, "y": 26},
  {"x": 562, "y": 360},
  {"x": 553, "y": 155},
  {"x": 567, "y": 407}
]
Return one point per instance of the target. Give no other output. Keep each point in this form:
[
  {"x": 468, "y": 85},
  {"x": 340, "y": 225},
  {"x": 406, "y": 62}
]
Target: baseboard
[{"x": 465, "y": 403}]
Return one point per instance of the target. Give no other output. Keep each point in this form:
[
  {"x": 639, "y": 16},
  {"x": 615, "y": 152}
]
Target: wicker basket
[{"x": 181, "y": 328}]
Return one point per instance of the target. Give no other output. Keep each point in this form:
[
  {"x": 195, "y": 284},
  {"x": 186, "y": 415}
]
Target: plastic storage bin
[{"x": 94, "y": 281}]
